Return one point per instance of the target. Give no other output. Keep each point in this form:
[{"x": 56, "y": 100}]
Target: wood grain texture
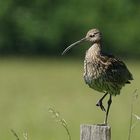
[{"x": 95, "y": 132}]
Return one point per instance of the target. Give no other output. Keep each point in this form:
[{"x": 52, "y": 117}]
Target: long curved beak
[{"x": 72, "y": 45}]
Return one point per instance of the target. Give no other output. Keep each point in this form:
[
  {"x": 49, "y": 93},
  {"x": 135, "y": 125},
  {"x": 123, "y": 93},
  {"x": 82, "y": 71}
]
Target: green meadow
[{"x": 29, "y": 86}]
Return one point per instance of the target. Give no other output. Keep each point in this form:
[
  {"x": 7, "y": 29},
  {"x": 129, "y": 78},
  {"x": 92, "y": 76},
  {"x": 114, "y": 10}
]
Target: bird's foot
[{"x": 100, "y": 104}]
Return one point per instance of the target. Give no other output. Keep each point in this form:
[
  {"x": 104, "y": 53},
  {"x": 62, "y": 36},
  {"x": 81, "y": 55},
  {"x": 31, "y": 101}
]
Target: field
[{"x": 28, "y": 87}]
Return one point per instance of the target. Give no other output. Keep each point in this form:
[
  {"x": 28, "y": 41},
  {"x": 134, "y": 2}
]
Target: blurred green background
[
  {"x": 34, "y": 76},
  {"x": 48, "y": 26}
]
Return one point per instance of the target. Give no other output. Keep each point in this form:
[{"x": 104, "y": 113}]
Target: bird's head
[{"x": 93, "y": 36}]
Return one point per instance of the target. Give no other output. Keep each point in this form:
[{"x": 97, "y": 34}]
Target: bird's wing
[{"x": 115, "y": 69}]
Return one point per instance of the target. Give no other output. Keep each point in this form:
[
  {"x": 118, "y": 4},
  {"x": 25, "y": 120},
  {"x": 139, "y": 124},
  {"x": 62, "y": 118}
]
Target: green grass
[{"x": 28, "y": 87}]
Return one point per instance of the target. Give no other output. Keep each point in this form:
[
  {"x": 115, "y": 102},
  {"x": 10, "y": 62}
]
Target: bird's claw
[{"x": 100, "y": 104}]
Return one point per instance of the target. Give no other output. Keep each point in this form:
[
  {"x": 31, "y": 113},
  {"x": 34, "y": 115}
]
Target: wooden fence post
[{"x": 95, "y": 132}]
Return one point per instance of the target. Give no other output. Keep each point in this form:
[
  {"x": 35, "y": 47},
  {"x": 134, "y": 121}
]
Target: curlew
[{"x": 102, "y": 72}]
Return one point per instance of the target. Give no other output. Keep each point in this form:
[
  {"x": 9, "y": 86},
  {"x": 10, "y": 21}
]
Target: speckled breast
[
  {"x": 96, "y": 77},
  {"x": 93, "y": 75}
]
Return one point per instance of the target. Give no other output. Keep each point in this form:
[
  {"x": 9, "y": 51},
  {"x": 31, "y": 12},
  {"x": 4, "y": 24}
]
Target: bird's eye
[{"x": 92, "y": 35}]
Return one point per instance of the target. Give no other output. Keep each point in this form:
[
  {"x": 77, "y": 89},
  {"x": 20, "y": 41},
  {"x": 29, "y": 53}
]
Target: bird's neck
[
  {"x": 93, "y": 52},
  {"x": 95, "y": 48}
]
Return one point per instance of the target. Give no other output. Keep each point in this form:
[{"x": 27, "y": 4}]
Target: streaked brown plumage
[{"x": 102, "y": 72}]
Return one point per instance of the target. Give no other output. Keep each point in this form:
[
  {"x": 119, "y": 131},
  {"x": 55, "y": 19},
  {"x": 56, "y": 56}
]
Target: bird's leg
[
  {"x": 109, "y": 104},
  {"x": 100, "y": 104}
]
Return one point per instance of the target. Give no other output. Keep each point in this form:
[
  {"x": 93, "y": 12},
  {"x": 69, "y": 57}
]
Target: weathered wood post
[{"x": 95, "y": 132}]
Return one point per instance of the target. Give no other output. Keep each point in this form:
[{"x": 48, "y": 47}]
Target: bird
[{"x": 102, "y": 72}]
